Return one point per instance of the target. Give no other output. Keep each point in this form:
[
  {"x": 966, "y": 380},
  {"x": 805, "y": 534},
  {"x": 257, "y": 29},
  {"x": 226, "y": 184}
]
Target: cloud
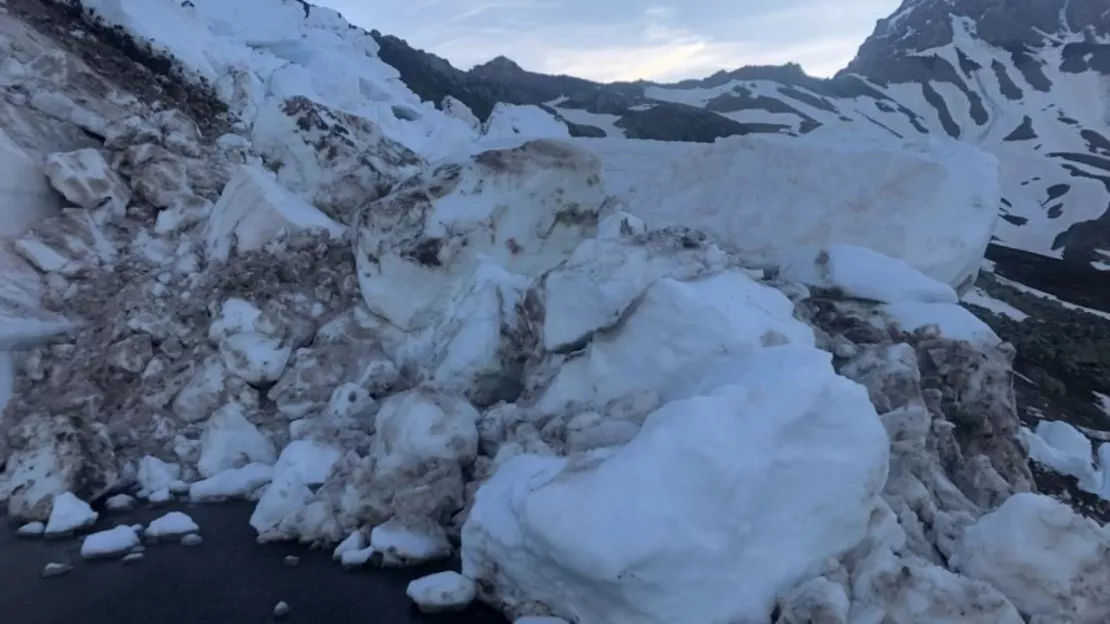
[{"x": 611, "y": 40}]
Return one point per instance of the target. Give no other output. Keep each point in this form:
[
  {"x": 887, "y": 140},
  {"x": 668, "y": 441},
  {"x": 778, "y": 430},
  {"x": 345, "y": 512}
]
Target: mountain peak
[{"x": 500, "y": 65}]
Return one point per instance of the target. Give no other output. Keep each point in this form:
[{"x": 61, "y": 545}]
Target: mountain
[
  {"x": 1028, "y": 81},
  {"x": 644, "y": 380}
]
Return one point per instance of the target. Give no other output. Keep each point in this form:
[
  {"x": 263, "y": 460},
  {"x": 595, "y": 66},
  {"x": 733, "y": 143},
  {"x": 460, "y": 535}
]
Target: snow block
[
  {"x": 688, "y": 322},
  {"x": 723, "y": 502},
  {"x": 84, "y": 178},
  {"x": 523, "y": 121},
  {"x": 1060, "y": 571},
  {"x": 933, "y": 203},
  {"x": 862, "y": 273},
  {"x": 25, "y": 196},
  {"x": 525, "y": 209},
  {"x": 253, "y": 209},
  {"x": 421, "y": 425},
  {"x": 330, "y": 158}
]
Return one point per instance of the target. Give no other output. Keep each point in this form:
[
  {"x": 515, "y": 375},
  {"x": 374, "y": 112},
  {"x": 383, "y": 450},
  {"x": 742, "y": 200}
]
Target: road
[{"x": 228, "y": 579}]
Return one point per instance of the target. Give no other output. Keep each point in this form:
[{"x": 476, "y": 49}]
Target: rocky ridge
[{"x": 410, "y": 360}]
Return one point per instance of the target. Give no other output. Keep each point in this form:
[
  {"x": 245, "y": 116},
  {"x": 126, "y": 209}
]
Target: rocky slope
[
  {"x": 409, "y": 334},
  {"x": 1028, "y": 81}
]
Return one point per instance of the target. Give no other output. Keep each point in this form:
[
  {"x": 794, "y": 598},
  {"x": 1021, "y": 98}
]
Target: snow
[
  {"x": 1061, "y": 447},
  {"x": 353, "y": 542},
  {"x": 512, "y": 121},
  {"x": 954, "y": 321},
  {"x": 976, "y": 296},
  {"x": 255, "y": 358},
  {"x": 418, "y": 425},
  {"x": 727, "y": 313},
  {"x": 230, "y": 441},
  {"x": 231, "y": 483},
  {"x": 443, "y": 591},
  {"x": 69, "y": 514},
  {"x": 284, "y": 497},
  {"x": 1059, "y": 569},
  {"x": 726, "y": 499},
  {"x": 862, "y": 273},
  {"x": 765, "y": 195},
  {"x": 31, "y": 529},
  {"x": 24, "y": 192},
  {"x": 115, "y": 541},
  {"x": 156, "y": 475},
  {"x": 253, "y": 209},
  {"x": 309, "y": 459},
  {"x": 172, "y": 524},
  {"x": 410, "y": 542}
]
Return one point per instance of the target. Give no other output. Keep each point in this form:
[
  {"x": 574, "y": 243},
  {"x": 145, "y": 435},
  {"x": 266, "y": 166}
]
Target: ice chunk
[
  {"x": 84, "y": 178},
  {"x": 1062, "y": 447},
  {"x": 726, "y": 499},
  {"x": 172, "y": 524},
  {"x": 355, "y": 541},
  {"x": 953, "y": 320},
  {"x": 155, "y": 474},
  {"x": 443, "y": 591},
  {"x": 115, "y": 541},
  {"x": 253, "y": 209},
  {"x": 31, "y": 529},
  {"x": 232, "y": 483},
  {"x": 931, "y": 202},
  {"x": 862, "y": 273},
  {"x": 285, "y": 496},
  {"x": 229, "y": 440},
  {"x": 69, "y": 514},
  {"x": 310, "y": 460}
]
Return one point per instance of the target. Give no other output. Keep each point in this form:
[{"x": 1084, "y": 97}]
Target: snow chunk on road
[
  {"x": 285, "y": 496},
  {"x": 173, "y": 524},
  {"x": 253, "y": 209},
  {"x": 932, "y": 202},
  {"x": 1043, "y": 556},
  {"x": 111, "y": 542},
  {"x": 728, "y": 313},
  {"x": 524, "y": 209},
  {"x": 862, "y": 273},
  {"x": 726, "y": 500},
  {"x": 155, "y": 475},
  {"x": 69, "y": 514},
  {"x": 444, "y": 591},
  {"x": 229, "y": 440},
  {"x": 232, "y": 483},
  {"x": 410, "y": 541}
]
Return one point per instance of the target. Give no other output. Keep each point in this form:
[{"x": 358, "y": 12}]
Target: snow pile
[
  {"x": 515, "y": 121},
  {"x": 764, "y": 195},
  {"x": 250, "y": 51},
  {"x": 1066, "y": 450}
]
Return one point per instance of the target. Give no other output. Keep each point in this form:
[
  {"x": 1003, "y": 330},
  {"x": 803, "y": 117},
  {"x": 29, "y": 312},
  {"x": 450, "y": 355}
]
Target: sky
[{"x": 611, "y": 40}]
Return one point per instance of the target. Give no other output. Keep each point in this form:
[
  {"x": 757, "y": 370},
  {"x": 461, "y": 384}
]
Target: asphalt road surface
[{"x": 228, "y": 579}]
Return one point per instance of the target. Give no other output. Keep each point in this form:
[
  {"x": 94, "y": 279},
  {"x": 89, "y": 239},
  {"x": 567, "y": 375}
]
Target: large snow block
[
  {"x": 720, "y": 504},
  {"x": 524, "y": 208},
  {"x": 332, "y": 159},
  {"x": 933, "y": 203},
  {"x": 523, "y": 121},
  {"x": 676, "y": 325},
  {"x": 253, "y": 209}
]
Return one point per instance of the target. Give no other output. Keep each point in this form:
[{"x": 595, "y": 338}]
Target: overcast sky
[{"x": 611, "y": 40}]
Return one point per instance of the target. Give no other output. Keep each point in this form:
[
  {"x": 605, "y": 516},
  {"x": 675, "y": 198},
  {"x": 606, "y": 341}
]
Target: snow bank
[
  {"x": 722, "y": 502},
  {"x": 1044, "y": 557},
  {"x": 931, "y": 203},
  {"x": 249, "y": 50},
  {"x": 525, "y": 209},
  {"x": 509, "y": 121},
  {"x": 862, "y": 273}
]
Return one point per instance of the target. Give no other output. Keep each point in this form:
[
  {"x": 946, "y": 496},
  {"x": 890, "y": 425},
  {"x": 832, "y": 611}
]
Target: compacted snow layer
[{"x": 764, "y": 195}]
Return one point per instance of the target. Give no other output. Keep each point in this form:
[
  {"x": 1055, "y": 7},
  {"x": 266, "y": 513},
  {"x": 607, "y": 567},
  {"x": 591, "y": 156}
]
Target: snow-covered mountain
[
  {"x": 1028, "y": 81},
  {"x": 626, "y": 380}
]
